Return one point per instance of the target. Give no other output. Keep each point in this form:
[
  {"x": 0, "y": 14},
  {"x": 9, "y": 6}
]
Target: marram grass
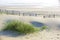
[{"x": 20, "y": 27}]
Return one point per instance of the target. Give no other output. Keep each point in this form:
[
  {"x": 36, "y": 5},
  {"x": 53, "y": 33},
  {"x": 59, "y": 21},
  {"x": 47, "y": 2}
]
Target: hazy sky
[{"x": 30, "y": 2}]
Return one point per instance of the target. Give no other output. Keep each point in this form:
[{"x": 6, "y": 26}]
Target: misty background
[{"x": 35, "y": 3}]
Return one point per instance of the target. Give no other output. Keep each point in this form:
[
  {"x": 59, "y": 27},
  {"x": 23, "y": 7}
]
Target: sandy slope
[{"x": 52, "y": 34}]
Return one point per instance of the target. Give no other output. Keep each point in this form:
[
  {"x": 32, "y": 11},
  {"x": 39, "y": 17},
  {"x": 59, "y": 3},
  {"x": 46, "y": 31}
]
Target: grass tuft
[
  {"x": 43, "y": 27},
  {"x": 20, "y": 27}
]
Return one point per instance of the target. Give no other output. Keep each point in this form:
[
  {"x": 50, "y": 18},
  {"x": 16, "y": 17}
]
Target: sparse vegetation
[
  {"x": 20, "y": 27},
  {"x": 44, "y": 27},
  {"x": 2, "y": 13}
]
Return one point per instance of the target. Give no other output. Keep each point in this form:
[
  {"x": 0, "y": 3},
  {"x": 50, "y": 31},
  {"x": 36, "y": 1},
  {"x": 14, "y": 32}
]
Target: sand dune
[{"x": 52, "y": 34}]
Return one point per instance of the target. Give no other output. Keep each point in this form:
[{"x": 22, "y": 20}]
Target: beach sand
[{"x": 53, "y": 33}]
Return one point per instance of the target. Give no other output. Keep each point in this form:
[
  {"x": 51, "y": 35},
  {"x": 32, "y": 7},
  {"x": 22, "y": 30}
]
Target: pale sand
[{"x": 52, "y": 34}]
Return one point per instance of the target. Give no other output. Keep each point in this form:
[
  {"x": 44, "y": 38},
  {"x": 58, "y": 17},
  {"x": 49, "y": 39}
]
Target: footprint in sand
[
  {"x": 57, "y": 37},
  {"x": 58, "y": 34}
]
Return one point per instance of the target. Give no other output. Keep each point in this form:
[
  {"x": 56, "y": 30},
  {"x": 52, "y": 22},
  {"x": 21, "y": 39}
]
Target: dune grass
[
  {"x": 43, "y": 27},
  {"x": 1, "y": 13},
  {"x": 20, "y": 27}
]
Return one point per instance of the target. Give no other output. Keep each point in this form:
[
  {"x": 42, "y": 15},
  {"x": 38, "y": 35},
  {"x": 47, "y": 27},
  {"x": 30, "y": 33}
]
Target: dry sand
[{"x": 52, "y": 34}]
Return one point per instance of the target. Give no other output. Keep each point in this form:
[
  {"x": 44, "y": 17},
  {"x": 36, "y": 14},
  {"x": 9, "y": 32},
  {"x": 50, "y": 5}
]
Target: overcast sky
[{"x": 30, "y": 2}]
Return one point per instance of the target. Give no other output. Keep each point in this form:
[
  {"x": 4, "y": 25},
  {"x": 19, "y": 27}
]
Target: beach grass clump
[
  {"x": 43, "y": 27},
  {"x": 1, "y": 13},
  {"x": 20, "y": 27}
]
